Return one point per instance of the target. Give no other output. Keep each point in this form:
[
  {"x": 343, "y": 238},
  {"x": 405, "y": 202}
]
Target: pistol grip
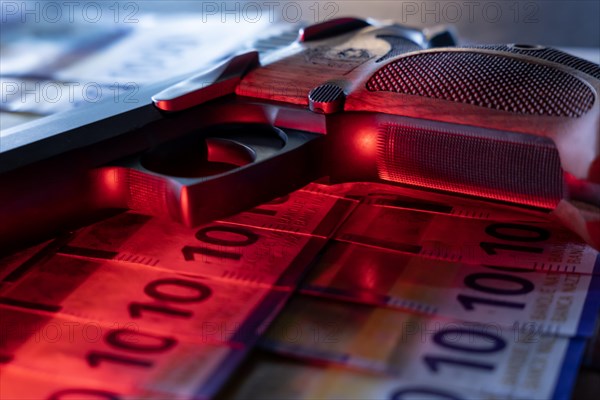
[{"x": 545, "y": 102}]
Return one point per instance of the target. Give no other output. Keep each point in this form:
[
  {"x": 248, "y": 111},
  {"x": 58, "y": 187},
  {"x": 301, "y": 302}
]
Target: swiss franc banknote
[
  {"x": 78, "y": 358},
  {"x": 303, "y": 212},
  {"x": 579, "y": 217},
  {"x": 550, "y": 302},
  {"x": 24, "y": 384},
  {"x": 139, "y": 307},
  {"x": 482, "y": 358},
  {"x": 401, "y": 197},
  {"x": 221, "y": 250},
  {"x": 15, "y": 265},
  {"x": 538, "y": 245},
  {"x": 271, "y": 244},
  {"x": 201, "y": 310},
  {"x": 276, "y": 377}
]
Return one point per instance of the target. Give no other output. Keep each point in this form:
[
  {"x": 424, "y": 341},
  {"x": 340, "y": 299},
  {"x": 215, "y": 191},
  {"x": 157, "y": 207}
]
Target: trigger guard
[{"x": 194, "y": 200}]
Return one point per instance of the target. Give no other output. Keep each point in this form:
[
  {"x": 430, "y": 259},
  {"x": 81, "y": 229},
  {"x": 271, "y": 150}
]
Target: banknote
[
  {"x": 548, "y": 302},
  {"x": 407, "y": 198},
  {"x": 220, "y": 250},
  {"x": 202, "y": 310},
  {"x": 15, "y": 265},
  {"x": 112, "y": 357},
  {"x": 269, "y": 376},
  {"x": 12, "y": 262},
  {"x": 23, "y": 384},
  {"x": 302, "y": 212},
  {"x": 215, "y": 288},
  {"x": 483, "y": 358},
  {"x": 544, "y": 246}
]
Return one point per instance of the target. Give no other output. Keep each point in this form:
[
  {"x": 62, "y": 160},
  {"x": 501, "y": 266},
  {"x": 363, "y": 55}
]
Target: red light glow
[{"x": 366, "y": 143}]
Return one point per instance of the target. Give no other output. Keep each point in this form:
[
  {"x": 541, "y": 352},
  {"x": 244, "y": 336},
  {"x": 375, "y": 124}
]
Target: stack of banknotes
[{"x": 348, "y": 291}]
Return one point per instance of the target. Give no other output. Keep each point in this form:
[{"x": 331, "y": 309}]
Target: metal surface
[
  {"x": 219, "y": 81},
  {"x": 328, "y": 29},
  {"x": 326, "y": 99}
]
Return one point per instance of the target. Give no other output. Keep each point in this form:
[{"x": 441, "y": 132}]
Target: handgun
[{"x": 349, "y": 99}]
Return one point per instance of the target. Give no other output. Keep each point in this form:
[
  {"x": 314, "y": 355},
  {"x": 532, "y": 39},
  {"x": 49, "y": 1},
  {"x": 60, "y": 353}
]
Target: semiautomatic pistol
[{"x": 350, "y": 99}]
